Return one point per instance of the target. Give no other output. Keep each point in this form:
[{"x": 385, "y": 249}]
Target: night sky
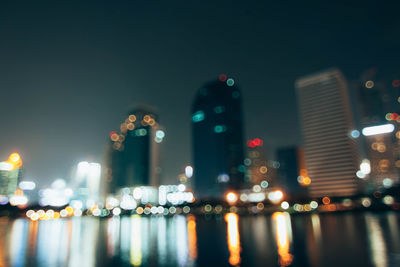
[{"x": 70, "y": 71}]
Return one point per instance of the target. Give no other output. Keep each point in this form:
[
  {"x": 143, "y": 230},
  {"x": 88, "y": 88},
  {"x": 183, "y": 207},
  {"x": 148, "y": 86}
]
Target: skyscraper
[
  {"x": 134, "y": 156},
  {"x": 217, "y": 129},
  {"x": 382, "y": 148},
  {"x": 330, "y": 152},
  {"x": 10, "y": 174}
]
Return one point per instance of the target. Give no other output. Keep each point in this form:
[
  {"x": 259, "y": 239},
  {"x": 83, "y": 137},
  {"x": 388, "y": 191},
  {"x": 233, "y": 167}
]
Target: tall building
[
  {"x": 134, "y": 151},
  {"x": 10, "y": 174},
  {"x": 330, "y": 152},
  {"x": 377, "y": 113},
  {"x": 260, "y": 171},
  {"x": 217, "y": 130},
  {"x": 292, "y": 173}
]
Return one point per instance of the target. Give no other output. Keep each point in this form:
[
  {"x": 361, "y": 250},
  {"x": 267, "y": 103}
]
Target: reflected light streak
[
  {"x": 376, "y": 241},
  {"x": 112, "y": 235},
  {"x": 181, "y": 240},
  {"x": 18, "y": 242},
  {"x": 136, "y": 241},
  {"x": 192, "y": 236},
  {"x": 232, "y": 221},
  {"x": 282, "y": 238}
]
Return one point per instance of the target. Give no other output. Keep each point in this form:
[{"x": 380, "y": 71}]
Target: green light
[
  {"x": 235, "y": 95},
  {"x": 264, "y": 184},
  {"x": 387, "y": 117},
  {"x": 198, "y": 116},
  {"x": 230, "y": 82},
  {"x": 241, "y": 168},
  {"x": 140, "y": 132},
  {"x": 220, "y": 128},
  {"x": 219, "y": 109}
]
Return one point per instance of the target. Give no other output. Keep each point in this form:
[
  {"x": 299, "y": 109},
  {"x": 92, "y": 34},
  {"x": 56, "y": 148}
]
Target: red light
[
  {"x": 222, "y": 77},
  {"x": 112, "y": 133},
  {"x": 255, "y": 142},
  {"x": 396, "y": 83},
  {"x": 394, "y": 116}
]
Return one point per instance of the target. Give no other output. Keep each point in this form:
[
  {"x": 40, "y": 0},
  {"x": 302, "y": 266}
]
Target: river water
[{"x": 334, "y": 239}]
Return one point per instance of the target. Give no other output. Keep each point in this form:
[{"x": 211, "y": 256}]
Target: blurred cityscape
[
  {"x": 331, "y": 198},
  {"x": 345, "y": 162}
]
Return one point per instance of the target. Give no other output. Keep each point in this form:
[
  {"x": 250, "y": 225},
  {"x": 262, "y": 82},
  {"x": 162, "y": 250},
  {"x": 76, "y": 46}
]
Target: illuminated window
[
  {"x": 198, "y": 116},
  {"x": 220, "y": 128},
  {"x": 219, "y": 109}
]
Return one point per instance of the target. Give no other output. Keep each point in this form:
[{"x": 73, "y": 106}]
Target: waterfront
[{"x": 330, "y": 239}]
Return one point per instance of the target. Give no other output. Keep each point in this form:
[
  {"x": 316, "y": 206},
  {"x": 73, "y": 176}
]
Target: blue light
[
  {"x": 355, "y": 134},
  {"x": 198, "y": 116}
]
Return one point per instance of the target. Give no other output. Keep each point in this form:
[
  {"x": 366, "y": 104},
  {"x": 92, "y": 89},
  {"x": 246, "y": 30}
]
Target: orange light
[
  {"x": 15, "y": 160},
  {"x": 231, "y": 197},
  {"x": 192, "y": 236},
  {"x": 282, "y": 238},
  {"x": 19, "y": 192},
  {"x": 233, "y": 238},
  {"x": 326, "y": 200},
  {"x": 307, "y": 181}
]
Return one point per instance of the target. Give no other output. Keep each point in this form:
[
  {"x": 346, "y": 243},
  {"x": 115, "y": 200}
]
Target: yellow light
[
  {"x": 232, "y": 220},
  {"x": 282, "y": 239},
  {"x": 231, "y": 197},
  {"x": 306, "y": 181},
  {"x": 132, "y": 118},
  {"x": 15, "y": 160}
]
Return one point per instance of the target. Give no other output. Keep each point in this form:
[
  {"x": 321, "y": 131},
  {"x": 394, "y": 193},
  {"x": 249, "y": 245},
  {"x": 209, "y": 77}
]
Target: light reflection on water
[{"x": 360, "y": 239}]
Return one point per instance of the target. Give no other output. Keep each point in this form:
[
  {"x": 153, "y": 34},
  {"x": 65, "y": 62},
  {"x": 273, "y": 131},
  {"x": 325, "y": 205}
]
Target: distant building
[
  {"x": 10, "y": 174},
  {"x": 134, "y": 153},
  {"x": 217, "y": 129},
  {"x": 330, "y": 152},
  {"x": 260, "y": 171},
  {"x": 292, "y": 173},
  {"x": 86, "y": 182}
]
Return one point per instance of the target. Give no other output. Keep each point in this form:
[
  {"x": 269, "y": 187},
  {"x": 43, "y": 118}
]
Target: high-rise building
[
  {"x": 330, "y": 152},
  {"x": 377, "y": 116},
  {"x": 292, "y": 173},
  {"x": 260, "y": 171},
  {"x": 134, "y": 153},
  {"x": 10, "y": 174},
  {"x": 217, "y": 128}
]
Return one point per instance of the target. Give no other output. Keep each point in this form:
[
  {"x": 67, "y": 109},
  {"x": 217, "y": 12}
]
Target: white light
[
  {"x": 360, "y": 174},
  {"x": 189, "y": 171},
  {"x": 5, "y": 166},
  {"x": 16, "y": 200},
  {"x": 365, "y": 166},
  {"x": 137, "y": 193},
  {"x": 275, "y": 196},
  {"x": 380, "y": 129},
  {"x": 181, "y": 187},
  {"x": 27, "y": 185},
  {"x": 116, "y": 211},
  {"x": 160, "y": 134},
  {"x": 387, "y": 183},
  {"x": 58, "y": 184},
  {"x": 256, "y": 197},
  {"x": 284, "y": 205}
]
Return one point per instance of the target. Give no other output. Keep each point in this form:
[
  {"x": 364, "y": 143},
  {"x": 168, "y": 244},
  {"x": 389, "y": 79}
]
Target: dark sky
[{"x": 70, "y": 70}]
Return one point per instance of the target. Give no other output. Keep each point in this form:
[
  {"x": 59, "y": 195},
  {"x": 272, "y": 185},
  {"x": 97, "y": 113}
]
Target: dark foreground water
[{"x": 341, "y": 239}]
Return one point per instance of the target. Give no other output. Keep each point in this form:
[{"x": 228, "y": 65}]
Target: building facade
[
  {"x": 217, "y": 132},
  {"x": 326, "y": 119},
  {"x": 133, "y": 156}
]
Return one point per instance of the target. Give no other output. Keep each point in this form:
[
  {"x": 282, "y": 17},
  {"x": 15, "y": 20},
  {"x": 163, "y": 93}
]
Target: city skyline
[{"x": 108, "y": 72}]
